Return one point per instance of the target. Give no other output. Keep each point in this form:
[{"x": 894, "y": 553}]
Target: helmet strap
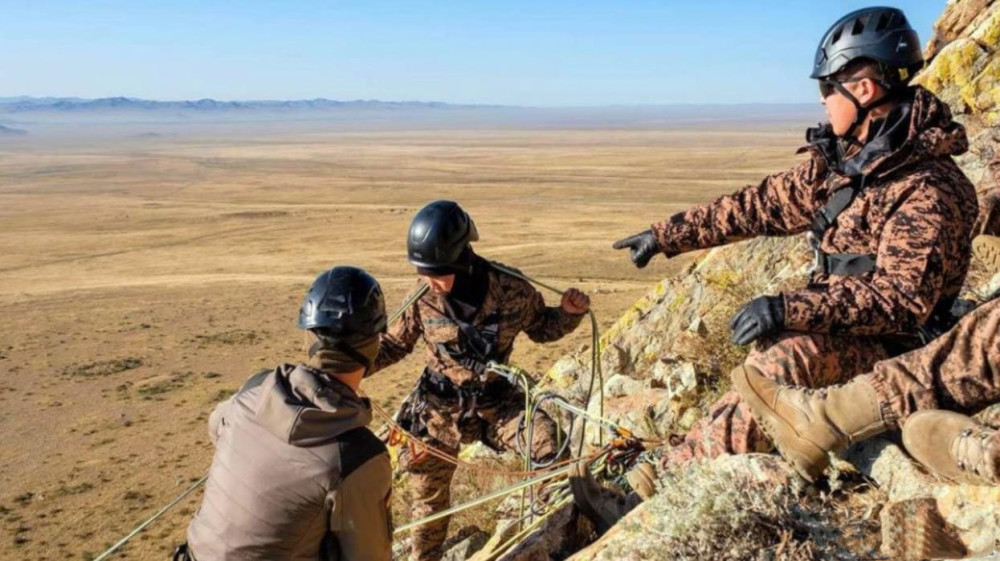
[{"x": 861, "y": 112}]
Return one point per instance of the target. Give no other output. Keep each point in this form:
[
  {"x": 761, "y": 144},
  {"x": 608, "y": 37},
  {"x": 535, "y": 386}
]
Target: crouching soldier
[
  {"x": 296, "y": 474},
  {"x": 470, "y": 316}
]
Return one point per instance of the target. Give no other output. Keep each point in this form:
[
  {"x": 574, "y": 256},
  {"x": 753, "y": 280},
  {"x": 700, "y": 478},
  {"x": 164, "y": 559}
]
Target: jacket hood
[
  {"x": 932, "y": 129},
  {"x": 916, "y": 130},
  {"x": 306, "y": 407}
]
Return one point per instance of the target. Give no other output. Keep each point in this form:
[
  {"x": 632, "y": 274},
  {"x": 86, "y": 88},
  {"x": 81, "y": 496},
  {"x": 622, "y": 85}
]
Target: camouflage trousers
[
  {"x": 446, "y": 425},
  {"x": 958, "y": 371},
  {"x": 812, "y": 360}
]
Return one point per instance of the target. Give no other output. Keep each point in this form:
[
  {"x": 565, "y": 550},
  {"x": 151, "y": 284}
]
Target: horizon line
[{"x": 25, "y": 98}]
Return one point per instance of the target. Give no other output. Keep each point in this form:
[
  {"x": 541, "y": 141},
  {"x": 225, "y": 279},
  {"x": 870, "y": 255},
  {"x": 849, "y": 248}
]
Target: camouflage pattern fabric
[
  {"x": 511, "y": 306},
  {"x": 914, "y": 216},
  {"x": 511, "y": 303},
  {"x": 813, "y": 360},
  {"x": 448, "y": 426},
  {"x": 959, "y": 371}
]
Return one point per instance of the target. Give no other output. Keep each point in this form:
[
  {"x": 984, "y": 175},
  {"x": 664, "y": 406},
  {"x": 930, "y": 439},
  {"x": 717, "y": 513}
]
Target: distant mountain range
[
  {"x": 8, "y": 131},
  {"x": 27, "y": 104},
  {"x": 134, "y": 118}
]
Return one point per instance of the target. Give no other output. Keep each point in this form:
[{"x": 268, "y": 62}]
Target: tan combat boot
[
  {"x": 806, "y": 425},
  {"x": 954, "y": 447},
  {"x": 986, "y": 250},
  {"x": 604, "y": 507}
]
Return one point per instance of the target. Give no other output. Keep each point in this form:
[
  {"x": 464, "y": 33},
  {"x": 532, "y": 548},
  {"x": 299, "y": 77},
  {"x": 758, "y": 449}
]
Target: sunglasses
[{"x": 828, "y": 86}]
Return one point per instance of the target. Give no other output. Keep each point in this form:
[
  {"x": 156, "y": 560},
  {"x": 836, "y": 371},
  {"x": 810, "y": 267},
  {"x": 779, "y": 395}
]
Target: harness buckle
[{"x": 817, "y": 264}]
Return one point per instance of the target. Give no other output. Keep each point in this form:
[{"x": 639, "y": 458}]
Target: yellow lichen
[
  {"x": 953, "y": 71},
  {"x": 724, "y": 279},
  {"x": 984, "y": 92},
  {"x": 988, "y": 33}
]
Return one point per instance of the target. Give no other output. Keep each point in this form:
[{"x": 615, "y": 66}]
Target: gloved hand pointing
[{"x": 642, "y": 247}]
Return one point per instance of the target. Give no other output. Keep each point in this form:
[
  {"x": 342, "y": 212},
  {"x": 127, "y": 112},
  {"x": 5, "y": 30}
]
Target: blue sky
[{"x": 541, "y": 52}]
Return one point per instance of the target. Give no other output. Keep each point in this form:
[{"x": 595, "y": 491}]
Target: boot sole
[
  {"x": 809, "y": 463},
  {"x": 987, "y": 250}
]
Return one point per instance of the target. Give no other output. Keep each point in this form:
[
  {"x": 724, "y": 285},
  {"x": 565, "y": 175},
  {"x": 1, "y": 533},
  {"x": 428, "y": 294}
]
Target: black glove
[
  {"x": 643, "y": 246},
  {"x": 762, "y": 316}
]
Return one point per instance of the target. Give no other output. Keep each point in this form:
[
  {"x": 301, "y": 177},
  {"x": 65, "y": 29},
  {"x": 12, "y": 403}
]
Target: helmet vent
[
  {"x": 859, "y": 26},
  {"x": 836, "y": 35},
  {"x": 883, "y": 21}
]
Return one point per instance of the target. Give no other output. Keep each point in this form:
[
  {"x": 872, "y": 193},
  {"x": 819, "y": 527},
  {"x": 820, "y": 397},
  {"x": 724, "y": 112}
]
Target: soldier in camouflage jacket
[
  {"x": 889, "y": 212},
  {"x": 471, "y": 315}
]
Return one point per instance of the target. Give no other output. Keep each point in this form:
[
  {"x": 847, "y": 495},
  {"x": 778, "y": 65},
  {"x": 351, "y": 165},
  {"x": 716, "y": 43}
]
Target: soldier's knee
[{"x": 779, "y": 357}]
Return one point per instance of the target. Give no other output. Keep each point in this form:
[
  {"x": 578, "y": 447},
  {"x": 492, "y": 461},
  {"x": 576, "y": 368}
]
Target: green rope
[
  {"x": 151, "y": 519},
  {"x": 497, "y": 494},
  {"x": 409, "y": 302},
  {"x": 484, "y": 499},
  {"x": 596, "y": 372}
]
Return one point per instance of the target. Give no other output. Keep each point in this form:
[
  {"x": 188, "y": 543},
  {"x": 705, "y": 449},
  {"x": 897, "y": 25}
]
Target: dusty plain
[{"x": 142, "y": 279}]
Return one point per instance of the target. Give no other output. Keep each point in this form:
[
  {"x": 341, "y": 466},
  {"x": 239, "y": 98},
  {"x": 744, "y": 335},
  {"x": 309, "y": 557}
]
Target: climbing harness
[
  {"x": 843, "y": 264},
  {"x": 553, "y": 494}
]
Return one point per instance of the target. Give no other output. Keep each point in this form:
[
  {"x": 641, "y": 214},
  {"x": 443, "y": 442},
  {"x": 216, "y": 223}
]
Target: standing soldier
[
  {"x": 889, "y": 214},
  {"x": 471, "y": 315},
  {"x": 296, "y": 474}
]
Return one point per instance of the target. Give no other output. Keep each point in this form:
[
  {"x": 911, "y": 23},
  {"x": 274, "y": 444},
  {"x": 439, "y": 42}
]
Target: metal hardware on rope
[
  {"x": 551, "y": 471},
  {"x": 454, "y": 460},
  {"x": 596, "y": 373},
  {"x": 518, "y": 376}
]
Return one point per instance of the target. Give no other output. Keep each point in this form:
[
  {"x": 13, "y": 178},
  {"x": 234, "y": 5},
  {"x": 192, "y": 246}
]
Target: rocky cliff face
[
  {"x": 965, "y": 72},
  {"x": 676, "y": 322},
  {"x": 668, "y": 356}
]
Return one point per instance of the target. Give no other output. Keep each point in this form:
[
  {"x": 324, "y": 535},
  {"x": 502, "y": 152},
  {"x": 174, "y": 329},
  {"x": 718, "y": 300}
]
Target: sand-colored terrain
[{"x": 141, "y": 281}]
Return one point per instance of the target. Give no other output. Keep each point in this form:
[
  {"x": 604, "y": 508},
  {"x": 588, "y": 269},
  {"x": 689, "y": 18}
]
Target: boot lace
[{"x": 978, "y": 452}]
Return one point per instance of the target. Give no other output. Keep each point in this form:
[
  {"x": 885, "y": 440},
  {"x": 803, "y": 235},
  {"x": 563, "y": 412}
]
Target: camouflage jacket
[
  {"x": 914, "y": 217},
  {"x": 510, "y": 307}
]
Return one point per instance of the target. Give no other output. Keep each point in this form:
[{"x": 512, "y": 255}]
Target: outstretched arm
[
  {"x": 780, "y": 205},
  {"x": 544, "y": 323}
]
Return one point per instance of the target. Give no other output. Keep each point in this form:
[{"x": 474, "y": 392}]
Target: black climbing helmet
[
  {"x": 439, "y": 237},
  {"x": 878, "y": 33},
  {"x": 344, "y": 305}
]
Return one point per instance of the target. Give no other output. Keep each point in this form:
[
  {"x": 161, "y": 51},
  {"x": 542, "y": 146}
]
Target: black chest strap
[{"x": 841, "y": 264}]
